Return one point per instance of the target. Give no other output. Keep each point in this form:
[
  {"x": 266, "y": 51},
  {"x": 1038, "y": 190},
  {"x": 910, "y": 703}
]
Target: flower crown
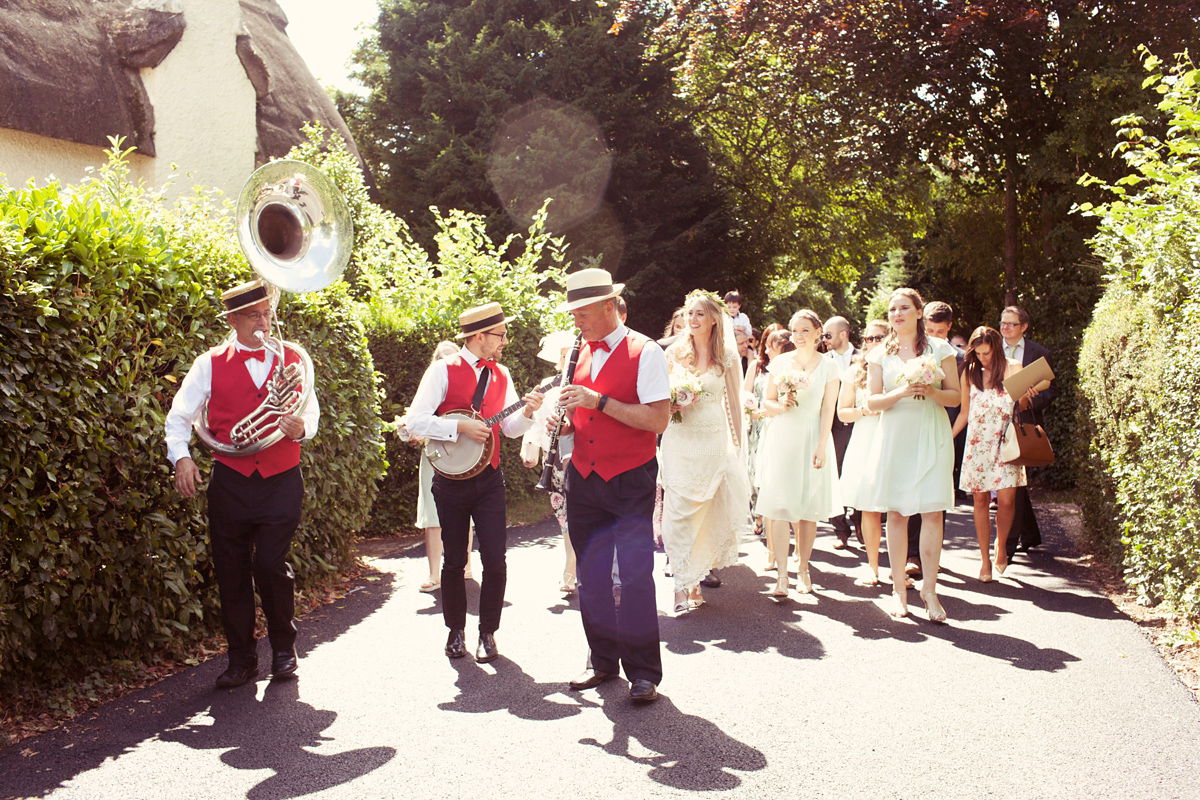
[{"x": 695, "y": 293}]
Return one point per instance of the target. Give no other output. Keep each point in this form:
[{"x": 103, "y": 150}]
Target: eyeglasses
[
  {"x": 873, "y": 338},
  {"x": 1010, "y": 324},
  {"x": 254, "y": 315},
  {"x": 503, "y": 336}
]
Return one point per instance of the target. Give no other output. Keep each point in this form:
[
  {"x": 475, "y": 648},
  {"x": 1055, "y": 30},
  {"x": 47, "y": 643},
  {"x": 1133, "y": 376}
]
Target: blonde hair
[
  {"x": 858, "y": 364},
  {"x": 686, "y": 347},
  {"x": 444, "y": 349}
]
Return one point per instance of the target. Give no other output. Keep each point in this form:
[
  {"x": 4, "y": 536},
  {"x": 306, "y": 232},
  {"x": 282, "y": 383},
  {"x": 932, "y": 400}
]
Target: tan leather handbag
[{"x": 1024, "y": 444}]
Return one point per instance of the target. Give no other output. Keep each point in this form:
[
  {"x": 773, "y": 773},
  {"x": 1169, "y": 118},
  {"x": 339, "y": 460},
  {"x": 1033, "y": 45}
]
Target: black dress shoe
[
  {"x": 283, "y": 665},
  {"x": 486, "y": 651},
  {"x": 643, "y": 691},
  {"x": 711, "y": 580},
  {"x": 456, "y": 645},
  {"x": 590, "y": 679},
  {"x": 236, "y": 676}
]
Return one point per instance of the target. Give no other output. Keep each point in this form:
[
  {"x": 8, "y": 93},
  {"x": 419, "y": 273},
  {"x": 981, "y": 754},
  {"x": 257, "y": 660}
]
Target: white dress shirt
[
  {"x": 842, "y": 359},
  {"x": 422, "y": 415},
  {"x": 1017, "y": 351},
  {"x": 196, "y": 389}
]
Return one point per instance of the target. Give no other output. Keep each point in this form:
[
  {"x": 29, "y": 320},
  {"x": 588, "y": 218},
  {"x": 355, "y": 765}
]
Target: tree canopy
[{"x": 492, "y": 106}]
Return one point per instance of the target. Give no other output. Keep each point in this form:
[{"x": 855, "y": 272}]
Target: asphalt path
[{"x": 1037, "y": 688}]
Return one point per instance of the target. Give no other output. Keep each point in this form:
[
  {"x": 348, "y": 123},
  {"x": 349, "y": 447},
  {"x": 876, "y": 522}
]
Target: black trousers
[
  {"x": 841, "y": 440},
  {"x": 607, "y": 517},
  {"x": 1025, "y": 530},
  {"x": 251, "y": 521},
  {"x": 458, "y": 503}
]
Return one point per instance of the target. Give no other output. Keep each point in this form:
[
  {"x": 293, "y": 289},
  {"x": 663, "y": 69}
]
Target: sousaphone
[{"x": 296, "y": 231}]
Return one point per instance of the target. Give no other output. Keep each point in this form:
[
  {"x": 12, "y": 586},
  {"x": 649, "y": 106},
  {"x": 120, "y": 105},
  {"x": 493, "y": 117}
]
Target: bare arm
[
  {"x": 960, "y": 422},
  {"x": 828, "y": 407},
  {"x": 949, "y": 395}
]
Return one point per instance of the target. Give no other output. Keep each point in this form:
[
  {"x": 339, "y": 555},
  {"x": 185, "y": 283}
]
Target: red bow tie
[
  {"x": 245, "y": 355},
  {"x": 599, "y": 344},
  {"x": 490, "y": 366}
]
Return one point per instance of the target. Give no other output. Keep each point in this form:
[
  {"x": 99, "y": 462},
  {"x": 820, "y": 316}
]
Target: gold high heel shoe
[
  {"x": 933, "y": 608},
  {"x": 805, "y": 581},
  {"x": 781, "y": 586}
]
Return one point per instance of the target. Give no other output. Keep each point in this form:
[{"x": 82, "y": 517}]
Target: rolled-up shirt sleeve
[
  {"x": 422, "y": 414},
  {"x": 653, "y": 379},
  {"x": 516, "y": 423}
]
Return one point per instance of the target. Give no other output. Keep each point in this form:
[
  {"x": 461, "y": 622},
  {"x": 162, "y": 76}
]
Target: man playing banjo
[{"x": 472, "y": 380}]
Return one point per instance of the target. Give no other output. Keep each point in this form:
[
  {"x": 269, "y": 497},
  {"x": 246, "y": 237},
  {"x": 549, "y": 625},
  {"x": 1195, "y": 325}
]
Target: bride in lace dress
[{"x": 706, "y": 488}]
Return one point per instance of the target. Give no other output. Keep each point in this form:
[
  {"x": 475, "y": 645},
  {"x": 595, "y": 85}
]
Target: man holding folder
[{"x": 1014, "y": 321}]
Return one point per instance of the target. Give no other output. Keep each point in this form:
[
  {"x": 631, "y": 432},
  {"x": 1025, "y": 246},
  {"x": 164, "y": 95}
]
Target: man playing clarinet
[
  {"x": 617, "y": 402},
  {"x": 473, "y": 379}
]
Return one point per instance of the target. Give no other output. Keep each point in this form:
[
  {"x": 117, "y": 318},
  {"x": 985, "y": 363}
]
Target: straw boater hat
[
  {"x": 589, "y": 286},
  {"x": 246, "y": 295},
  {"x": 481, "y": 319},
  {"x": 554, "y": 343}
]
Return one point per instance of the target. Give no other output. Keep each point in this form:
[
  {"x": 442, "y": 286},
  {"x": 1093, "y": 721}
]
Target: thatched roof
[{"x": 69, "y": 69}]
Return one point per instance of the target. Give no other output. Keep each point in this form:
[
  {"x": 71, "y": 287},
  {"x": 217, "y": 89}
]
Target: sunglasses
[
  {"x": 826, "y": 335},
  {"x": 873, "y": 338}
]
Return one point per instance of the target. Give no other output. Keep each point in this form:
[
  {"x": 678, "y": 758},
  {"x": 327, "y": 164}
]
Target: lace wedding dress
[{"x": 706, "y": 487}]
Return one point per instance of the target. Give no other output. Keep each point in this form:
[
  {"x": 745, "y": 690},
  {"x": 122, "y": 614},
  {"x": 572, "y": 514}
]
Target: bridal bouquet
[
  {"x": 791, "y": 382},
  {"x": 750, "y": 405},
  {"x": 922, "y": 370},
  {"x": 685, "y": 390},
  {"x": 400, "y": 428}
]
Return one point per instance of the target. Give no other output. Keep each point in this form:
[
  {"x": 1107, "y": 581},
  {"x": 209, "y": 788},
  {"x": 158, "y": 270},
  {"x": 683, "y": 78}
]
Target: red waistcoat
[
  {"x": 461, "y": 390},
  {"x": 234, "y": 395},
  {"x": 602, "y": 444}
]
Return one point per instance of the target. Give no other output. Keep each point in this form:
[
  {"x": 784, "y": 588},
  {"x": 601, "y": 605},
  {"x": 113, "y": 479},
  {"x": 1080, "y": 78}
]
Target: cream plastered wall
[
  {"x": 27, "y": 156},
  {"x": 204, "y": 106},
  {"x": 205, "y": 125}
]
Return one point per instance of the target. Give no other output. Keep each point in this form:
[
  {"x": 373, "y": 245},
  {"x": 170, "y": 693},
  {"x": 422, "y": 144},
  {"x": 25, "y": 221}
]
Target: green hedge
[
  {"x": 105, "y": 298},
  {"x": 1138, "y": 367}
]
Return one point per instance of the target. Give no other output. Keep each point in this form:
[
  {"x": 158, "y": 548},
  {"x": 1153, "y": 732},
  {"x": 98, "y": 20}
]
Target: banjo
[{"x": 466, "y": 458}]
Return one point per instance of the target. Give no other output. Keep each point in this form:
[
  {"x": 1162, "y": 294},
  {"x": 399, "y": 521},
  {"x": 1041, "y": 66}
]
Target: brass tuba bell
[{"x": 296, "y": 231}]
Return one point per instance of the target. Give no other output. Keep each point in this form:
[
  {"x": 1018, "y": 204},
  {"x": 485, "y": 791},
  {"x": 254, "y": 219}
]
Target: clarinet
[{"x": 546, "y": 482}]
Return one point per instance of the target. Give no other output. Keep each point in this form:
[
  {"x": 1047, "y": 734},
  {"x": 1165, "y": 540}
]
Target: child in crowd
[{"x": 733, "y": 306}]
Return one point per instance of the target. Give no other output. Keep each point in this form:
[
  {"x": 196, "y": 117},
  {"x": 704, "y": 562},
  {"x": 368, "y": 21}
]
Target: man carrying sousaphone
[
  {"x": 472, "y": 380},
  {"x": 618, "y": 401},
  {"x": 254, "y": 501}
]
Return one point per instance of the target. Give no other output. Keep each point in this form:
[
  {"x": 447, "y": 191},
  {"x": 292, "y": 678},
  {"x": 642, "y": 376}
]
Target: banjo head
[{"x": 464, "y": 458}]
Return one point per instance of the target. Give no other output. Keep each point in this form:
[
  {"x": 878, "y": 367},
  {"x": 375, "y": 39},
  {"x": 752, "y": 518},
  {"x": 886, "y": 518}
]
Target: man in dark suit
[
  {"x": 837, "y": 337},
  {"x": 1014, "y": 321}
]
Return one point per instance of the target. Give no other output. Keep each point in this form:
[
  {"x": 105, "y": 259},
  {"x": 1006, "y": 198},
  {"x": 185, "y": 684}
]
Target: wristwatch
[{"x": 603, "y": 400}]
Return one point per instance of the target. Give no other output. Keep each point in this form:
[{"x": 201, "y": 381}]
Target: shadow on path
[
  {"x": 36, "y": 767},
  {"x": 683, "y": 751},
  {"x": 272, "y": 734}
]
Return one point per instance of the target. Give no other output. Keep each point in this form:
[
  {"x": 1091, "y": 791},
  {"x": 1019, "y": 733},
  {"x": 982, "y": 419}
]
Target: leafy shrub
[
  {"x": 1138, "y": 365},
  {"x": 406, "y": 323},
  {"x": 105, "y": 298},
  {"x": 409, "y": 302}
]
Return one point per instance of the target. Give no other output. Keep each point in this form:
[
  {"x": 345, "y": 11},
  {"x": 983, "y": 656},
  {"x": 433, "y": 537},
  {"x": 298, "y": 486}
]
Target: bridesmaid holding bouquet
[
  {"x": 910, "y": 378},
  {"x": 797, "y": 478}
]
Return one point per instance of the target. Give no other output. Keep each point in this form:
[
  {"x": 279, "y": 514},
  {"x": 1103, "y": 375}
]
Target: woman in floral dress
[{"x": 986, "y": 411}]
